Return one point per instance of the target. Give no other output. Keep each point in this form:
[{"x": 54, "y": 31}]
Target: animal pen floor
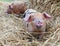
[{"x": 13, "y": 30}]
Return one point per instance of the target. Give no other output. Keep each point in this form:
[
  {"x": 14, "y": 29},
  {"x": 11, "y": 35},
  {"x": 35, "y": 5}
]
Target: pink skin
[
  {"x": 38, "y": 18},
  {"x": 38, "y": 22}
]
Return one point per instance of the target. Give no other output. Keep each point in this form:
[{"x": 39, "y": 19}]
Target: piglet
[
  {"x": 36, "y": 22},
  {"x": 17, "y": 8}
]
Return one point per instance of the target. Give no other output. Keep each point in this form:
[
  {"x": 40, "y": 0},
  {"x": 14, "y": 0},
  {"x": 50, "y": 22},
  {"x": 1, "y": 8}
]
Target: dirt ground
[{"x": 13, "y": 29}]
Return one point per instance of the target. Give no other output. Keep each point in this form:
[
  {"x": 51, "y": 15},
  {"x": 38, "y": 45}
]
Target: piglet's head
[
  {"x": 10, "y": 9},
  {"x": 38, "y": 20}
]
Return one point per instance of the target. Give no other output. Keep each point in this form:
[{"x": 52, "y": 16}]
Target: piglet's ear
[
  {"x": 10, "y": 7},
  {"x": 28, "y": 18},
  {"x": 47, "y": 16}
]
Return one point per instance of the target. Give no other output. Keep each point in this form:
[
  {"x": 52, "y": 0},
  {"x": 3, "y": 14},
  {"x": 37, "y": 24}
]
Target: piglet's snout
[{"x": 39, "y": 24}]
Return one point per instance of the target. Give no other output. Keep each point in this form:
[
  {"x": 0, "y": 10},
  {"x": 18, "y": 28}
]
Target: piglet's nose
[{"x": 40, "y": 24}]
